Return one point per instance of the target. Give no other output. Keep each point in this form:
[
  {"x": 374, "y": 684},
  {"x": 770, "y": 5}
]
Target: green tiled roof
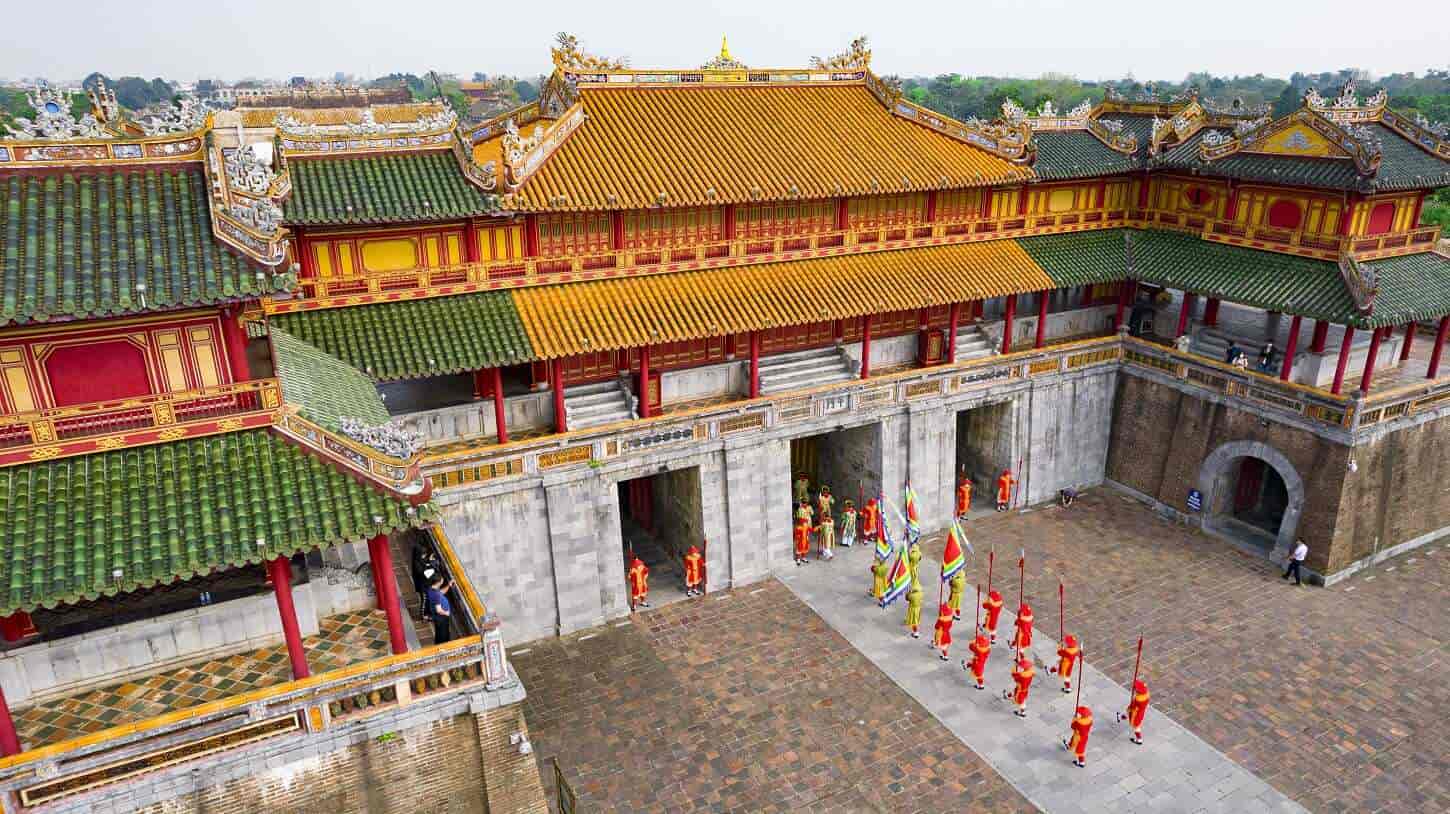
[
  {"x": 388, "y": 188},
  {"x": 1063, "y": 154},
  {"x": 324, "y": 387},
  {"x": 1406, "y": 166},
  {"x": 1269, "y": 280},
  {"x": 84, "y": 243},
  {"x": 1079, "y": 258},
  {"x": 1411, "y": 288},
  {"x": 414, "y": 338},
  {"x": 1402, "y": 165},
  {"x": 171, "y": 511}
]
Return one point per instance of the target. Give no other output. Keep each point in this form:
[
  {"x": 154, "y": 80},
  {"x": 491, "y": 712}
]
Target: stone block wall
[
  {"x": 1069, "y": 428},
  {"x": 1399, "y": 494}
]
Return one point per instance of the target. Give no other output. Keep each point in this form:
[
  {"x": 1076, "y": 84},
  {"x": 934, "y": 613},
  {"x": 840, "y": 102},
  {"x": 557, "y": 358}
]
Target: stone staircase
[
  {"x": 589, "y": 405},
  {"x": 807, "y": 368},
  {"x": 972, "y": 343}
]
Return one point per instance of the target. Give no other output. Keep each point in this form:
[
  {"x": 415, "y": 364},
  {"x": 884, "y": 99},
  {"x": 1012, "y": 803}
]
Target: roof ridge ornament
[
  {"x": 570, "y": 56},
  {"x": 53, "y": 119},
  {"x": 723, "y": 61},
  {"x": 186, "y": 115},
  {"x": 857, "y": 57},
  {"x": 1347, "y": 106}
]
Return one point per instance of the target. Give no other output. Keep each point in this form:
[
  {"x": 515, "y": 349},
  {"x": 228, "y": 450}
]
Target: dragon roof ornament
[
  {"x": 1347, "y": 106},
  {"x": 1237, "y": 108},
  {"x": 1047, "y": 117},
  {"x": 391, "y": 439},
  {"x": 1356, "y": 141},
  {"x": 187, "y": 115},
  {"x": 856, "y": 57},
  {"x": 569, "y": 56},
  {"x": 53, "y": 119}
]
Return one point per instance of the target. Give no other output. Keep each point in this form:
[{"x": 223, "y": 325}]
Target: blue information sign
[{"x": 1195, "y": 500}]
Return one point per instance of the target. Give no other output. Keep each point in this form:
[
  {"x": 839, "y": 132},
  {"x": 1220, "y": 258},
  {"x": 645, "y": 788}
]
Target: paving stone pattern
[
  {"x": 344, "y": 639},
  {"x": 1334, "y": 696},
  {"x": 1180, "y": 772},
  {"x": 744, "y": 701}
]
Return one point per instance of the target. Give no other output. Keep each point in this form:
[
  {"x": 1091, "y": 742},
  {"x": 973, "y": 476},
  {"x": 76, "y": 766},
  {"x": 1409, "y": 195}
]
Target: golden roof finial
[
  {"x": 724, "y": 49},
  {"x": 723, "y": 61}
]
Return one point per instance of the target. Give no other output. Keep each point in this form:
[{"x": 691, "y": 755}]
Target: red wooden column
[
  {"x": 931, "y": 206},
  {"x": 954, "y": 315},
  {"x": 1289, "y": 349},
  {"x": 9, "y": 740},
  {"x": 1007, "y": 323},
  {"x": 471, "y": 240},
  {"x": 556, "y": 379},
  {"x": 1374, "y": 349},
  {"x": 1409, "y": 340},
  {"x": 644, "y": 381},
  {"x": 531, "y": 235},
  {"x": 235, "y": 337},
  {"x": 1439, "y": 346},
  {"x": 1041, "y": 319},
  {"x": 1343, "y": 360},
  {"x": 381, "y": 557},
  {"x": 1321, "y": 335},
  {"x": 1210, "y": 312},
  {"x": 1183, "y": 315},
  {"x": 755, "y": 364},
  {"x": 866, "y": 346},
  {"x": 498, "y": 412},
  {"x": 843, "y": 214},
  {"x": 1126, "y": 290},
  {"x": 280, "y": 570},
  {"x": 729, "y": 221},
  {"x": 616, "y": 230}
]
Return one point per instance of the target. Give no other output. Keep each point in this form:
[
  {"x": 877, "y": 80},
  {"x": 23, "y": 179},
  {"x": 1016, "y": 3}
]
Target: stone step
[
  {"x": 618, "y": 404},
  {"x": 602, "y": 397},
  {"x": 595, "y": 420},
  {"x": 804, "y": 379},
  {"x": 795, "y": 357},
  {"x": 832, "y": 359},
  {"x": 606, "y": 386}
]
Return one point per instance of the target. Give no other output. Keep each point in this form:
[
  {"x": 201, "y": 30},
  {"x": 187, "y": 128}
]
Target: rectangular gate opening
[
  {"x": 984, "y": 449},
  {"x": 848, "y": 460},
  {"x": 660, "y": 517}
]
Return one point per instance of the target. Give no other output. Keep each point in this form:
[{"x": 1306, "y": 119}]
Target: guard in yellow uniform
[
  {"x": 825, "y": 537},
  {"x": 825, "y": 503},
  {"x": 957, "y": 588},
  {"x": 802, "y": 487},
  {"x": 913, "y": 563},
  {"x": 913, "y": 609},
  {"x": 879, "y": 570}
]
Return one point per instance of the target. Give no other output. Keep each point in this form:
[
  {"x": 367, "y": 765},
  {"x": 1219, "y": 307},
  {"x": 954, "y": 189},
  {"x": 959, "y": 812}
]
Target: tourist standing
[
  {"x": 439, "y": 609},
  {"x": 1296, "y": 561}
]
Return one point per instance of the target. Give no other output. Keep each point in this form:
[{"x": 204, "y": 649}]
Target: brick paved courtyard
[
  {"x": 1331, "y": 695},
  {"x": 747, "y": 704}
]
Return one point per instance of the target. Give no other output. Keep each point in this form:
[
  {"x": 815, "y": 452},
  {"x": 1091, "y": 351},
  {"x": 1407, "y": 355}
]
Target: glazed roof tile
[
  {"x": 427, "y": 337},
  {"x": 747, "y": 144},
  {"x": 394, "y": 187},
  {"x": 1064, "y": 154},
  {"x": 103, "y": 524},
  {"x": 1079, "y": 258},
  {"x": 102, "y": 243},
  {"x": 1268, "y": 280},
  {"x": 1403, "y": 165},
  {"x": 325, "y": 388},
  {"x": 1411, "y": 288},
  {"x": 609, "y": 314}
]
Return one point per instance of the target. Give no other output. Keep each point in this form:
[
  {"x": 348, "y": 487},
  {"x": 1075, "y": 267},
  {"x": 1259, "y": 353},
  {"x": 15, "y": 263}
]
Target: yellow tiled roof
[
  {"x": 747, "y": 144},
  {"x": 572, "y": 318},
  {"x": 386, "y": 114}
]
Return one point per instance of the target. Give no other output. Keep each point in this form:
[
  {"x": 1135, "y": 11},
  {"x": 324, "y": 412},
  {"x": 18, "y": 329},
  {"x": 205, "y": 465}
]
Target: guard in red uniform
[
  {"x": 870, "y": 519},
  {"x": 993, "y": 607},
  {"x": 1022, "y": 639},
  {"x": 1137, "y": 709},
  {"x": 639, "y": 583},
  {"x": 1067, "y": 656},
  {"x": 1004, "y": 489},
  {"x": 981, "y": 649},
  {"x": 964, "y": 496},
  {"x": 694, "y": 572},
  {"x": 942, "y": 638},
  {"x": 802, "y": 536},
  {"x": 1082, "y": 724},
  {"x": 1022, "y": 674}
]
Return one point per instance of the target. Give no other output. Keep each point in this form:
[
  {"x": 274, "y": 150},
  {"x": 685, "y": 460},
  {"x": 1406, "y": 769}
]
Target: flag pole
[
  {"x": 1061, "y": 614},
  {"x": 1080, "y": 659},
  {"x": 991, "y": 556},
  {"x": 704, "y": 560},
  {"x": 1016, "y": 482},
  {"x": 1136, "y": 664},
  {"x": 978, "y": 616}
]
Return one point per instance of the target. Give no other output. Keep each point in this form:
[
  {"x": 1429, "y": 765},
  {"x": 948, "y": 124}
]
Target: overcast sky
[{"x": 186, "y": 40}]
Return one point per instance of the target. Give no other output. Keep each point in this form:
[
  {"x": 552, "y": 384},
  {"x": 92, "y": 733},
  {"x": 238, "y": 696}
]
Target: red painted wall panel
[{"x": 97, "y": 372}]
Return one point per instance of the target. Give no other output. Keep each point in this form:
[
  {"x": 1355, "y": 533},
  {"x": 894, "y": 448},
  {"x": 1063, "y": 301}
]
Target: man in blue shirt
[{"x": 439, "y": 609}]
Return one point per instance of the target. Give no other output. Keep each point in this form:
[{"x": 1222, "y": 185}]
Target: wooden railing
[
  {"x": 313, "y": 704},
  {"x": 1389, "y": 245},
  {"x": 1405, "y": 400},
  {"x": 1290, "y": 241},
  {"x": 57, "y": 424},
  {"x": 460, "y": 278}
]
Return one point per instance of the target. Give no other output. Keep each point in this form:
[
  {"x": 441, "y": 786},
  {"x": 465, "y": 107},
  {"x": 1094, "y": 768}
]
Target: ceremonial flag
[
  {"x": 883, "y": 540},
  {"x": 954, "y": 558},
  {"x": 898, "y": 579},
  {"x": 913, "y": 524}
]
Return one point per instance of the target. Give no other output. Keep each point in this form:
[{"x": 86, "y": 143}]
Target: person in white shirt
[{"x": 1296, "y": 560}]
